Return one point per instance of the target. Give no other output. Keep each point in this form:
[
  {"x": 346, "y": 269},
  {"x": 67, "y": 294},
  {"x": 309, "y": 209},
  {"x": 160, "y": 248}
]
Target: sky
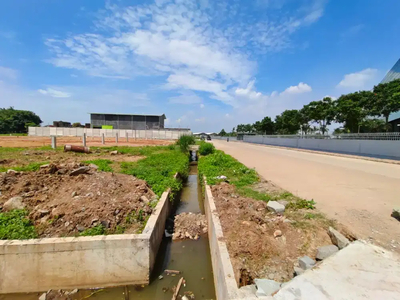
[{"x": 205, "y": 64}]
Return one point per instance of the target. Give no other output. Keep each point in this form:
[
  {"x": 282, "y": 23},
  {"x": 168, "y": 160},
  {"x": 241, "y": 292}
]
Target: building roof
[
  {"x": 393, "y": 74},
  {"x": 95, "y": 113}
]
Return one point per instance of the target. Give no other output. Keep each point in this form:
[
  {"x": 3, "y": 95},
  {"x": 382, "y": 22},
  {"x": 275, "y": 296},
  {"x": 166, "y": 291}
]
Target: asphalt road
[{"x": 358, "y": 193}]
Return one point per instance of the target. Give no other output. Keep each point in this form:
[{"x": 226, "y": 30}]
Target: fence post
[
  {"x": 116, "y": 137},
  {"x": 127, "y": 139},
  {"x": 102, "y": 139},
  {"x": 53, "y": 142},
  {"x": 84, "y": 139}
]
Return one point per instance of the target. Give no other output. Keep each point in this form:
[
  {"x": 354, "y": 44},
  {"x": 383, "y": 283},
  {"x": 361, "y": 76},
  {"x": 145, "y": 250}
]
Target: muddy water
[{"x": 190, "y": 257}]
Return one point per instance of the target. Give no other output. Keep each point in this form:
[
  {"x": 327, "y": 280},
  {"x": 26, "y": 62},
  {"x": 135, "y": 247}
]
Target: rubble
[
  {"x": 275, "y": 207},
  {"x": 306, "y": 262},
  {"x": 337, "y": 238},
  {"x": 189, "y": 225},
  {"x": 326, "y": 251}
]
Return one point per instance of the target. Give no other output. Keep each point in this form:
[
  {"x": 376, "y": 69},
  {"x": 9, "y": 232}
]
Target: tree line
[
  {"x": 17, "y": 121},
  {"x": 362, "y": 111}
]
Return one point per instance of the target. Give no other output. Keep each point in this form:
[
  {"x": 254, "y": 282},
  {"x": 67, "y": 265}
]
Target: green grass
[
  {"x": 219, "y": 163},
  {"x": 301, "y": 203},
  {"x": 97, "y": 230},
  {"x": 250, "y": 193},
  {"x": 13, "y": 134},
  {"x": 103, "y": 164},
  {"x": 137, "y": 151},
  {"x": 14, "y": 225},
  {"x": 158, "y": 170},
  {"x": 35, "y": 166}
]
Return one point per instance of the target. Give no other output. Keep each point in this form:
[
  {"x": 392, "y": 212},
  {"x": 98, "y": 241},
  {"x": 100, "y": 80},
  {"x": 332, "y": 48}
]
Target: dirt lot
[
  {"x": 63, "y": 204},
  {"x": 32, "y": 141},
  {"x": 262, "y": 244}
]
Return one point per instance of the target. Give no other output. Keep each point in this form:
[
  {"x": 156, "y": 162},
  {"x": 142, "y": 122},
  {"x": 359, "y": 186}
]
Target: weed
[
  {"x": 302, "y": 203},
  {"x": 286, "y": 195},
  {"x": 250, "y": 193},
  {"x": 219, "y": 163},
  {"x": 15, "y": 225},
  {"x": 97, "y": 230},
  {"x": 103, "y": 164},
  {"x": 136, "y": 151},
  {"x": 35, "y": 166},
  {"x": 206, "y": 148},
  {"x": 119, "y": 229},
  {"x": 159, "y": 169},
  {"x": 185, "y": 141}
]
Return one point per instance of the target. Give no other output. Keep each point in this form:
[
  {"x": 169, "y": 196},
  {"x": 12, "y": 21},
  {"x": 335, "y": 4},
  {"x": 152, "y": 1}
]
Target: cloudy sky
[{"x": 206, "y": 64}]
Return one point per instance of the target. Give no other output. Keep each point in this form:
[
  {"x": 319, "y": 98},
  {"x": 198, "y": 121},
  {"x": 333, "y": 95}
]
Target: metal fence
[{"x": 158, "y": 134}]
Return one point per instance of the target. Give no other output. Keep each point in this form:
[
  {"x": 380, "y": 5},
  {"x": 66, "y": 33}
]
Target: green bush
[
  {"x": 206, "y": 148},
  {"x": 159, "y": 169},
  {"x": 219, "y": 163},
  {"x": 185, "y": 141},
  {"x": 103, "y": 164},
  {"x": 15, "y": 225}
]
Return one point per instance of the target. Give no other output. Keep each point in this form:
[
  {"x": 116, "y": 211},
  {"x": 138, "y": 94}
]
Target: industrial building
[
  {"x": 394, "y": 74},
  {"x": 123, "y": 121}
]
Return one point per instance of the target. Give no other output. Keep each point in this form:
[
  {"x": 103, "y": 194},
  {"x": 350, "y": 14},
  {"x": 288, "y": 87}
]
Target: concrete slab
[{"x": 359, "y": 271}]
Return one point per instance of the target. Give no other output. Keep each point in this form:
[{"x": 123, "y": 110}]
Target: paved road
[{"x": 358, "y": 193}]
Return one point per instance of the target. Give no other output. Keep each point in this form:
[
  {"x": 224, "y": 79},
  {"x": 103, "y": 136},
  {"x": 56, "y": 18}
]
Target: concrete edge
[
  {"x": 224, "y": 277},
  {"x": 20, "y": 257}
]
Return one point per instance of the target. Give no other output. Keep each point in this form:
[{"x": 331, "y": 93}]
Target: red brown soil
[
  {"x": 39, "y": 141},
  {"x": 64, "y": 205},
  {"x": 249, "y": 233},
  {"x": 189, "y": 226}
]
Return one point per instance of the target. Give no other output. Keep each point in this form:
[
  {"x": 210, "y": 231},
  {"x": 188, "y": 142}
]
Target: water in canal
[{"x": 191, "y": 257}]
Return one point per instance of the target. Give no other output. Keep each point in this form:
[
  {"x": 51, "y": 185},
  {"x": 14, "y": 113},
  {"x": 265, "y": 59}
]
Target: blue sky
[{"x": 206, "y": 64}]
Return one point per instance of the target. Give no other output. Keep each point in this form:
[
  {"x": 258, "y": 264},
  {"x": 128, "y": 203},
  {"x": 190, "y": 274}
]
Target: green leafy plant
[
  {"x": 159, "y": 169},
  {"x": 97, "y": 230},
  {"x": 185, "y": 141},
  {"x": 15, "y": 225},
  {"x": 219, "y": 163},
  {"x": 250, "y": 193},
  {"x": 103, "y": 164},
  {"x": 302, "y": 203},
  {"x": 206, "y": 148}
]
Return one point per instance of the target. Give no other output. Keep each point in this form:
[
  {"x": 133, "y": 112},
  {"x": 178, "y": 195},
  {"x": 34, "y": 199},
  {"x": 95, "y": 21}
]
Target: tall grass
[{"x": 185, "y": 141}]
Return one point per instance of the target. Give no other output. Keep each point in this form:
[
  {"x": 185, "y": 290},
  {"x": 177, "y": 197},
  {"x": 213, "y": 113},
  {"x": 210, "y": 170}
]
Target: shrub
[
  {"x": 185, "y": 141},
  {"x": 15, "y": 225},
  {"x": 97, "y": 230},
  {"x": 206, "y": 148}
]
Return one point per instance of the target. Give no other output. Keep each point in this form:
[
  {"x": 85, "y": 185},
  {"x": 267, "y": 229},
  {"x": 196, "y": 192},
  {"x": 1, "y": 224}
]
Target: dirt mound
[
  {"x": 66, "y": 199},
  {"x": 256, "y": 247},
  {"x": 189, "y": 226}
]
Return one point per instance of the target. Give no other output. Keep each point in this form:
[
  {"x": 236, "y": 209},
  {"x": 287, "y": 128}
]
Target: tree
[
  {"x": 373, "y": 125},
  {"x": 222, "y": 133},
  {"x": 17, "y": 121},
  {"x": 386, "y": 99},
  {"x": 320, "y": 112},
  {"x": 350, "y": 110},
  {"x": 288, "y": 122},
  {"x": 267, "y": 126},
  {"x": 77, "y": 124}
]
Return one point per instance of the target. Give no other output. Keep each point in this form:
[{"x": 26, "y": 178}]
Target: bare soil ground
[
  {"x": 36, "y": 141},
  {"x": 31, "y": 155},
  {"x": 189, "y": 226},
  {"x": 64, "y": 205},
  {"x": 262, "y": 244}
]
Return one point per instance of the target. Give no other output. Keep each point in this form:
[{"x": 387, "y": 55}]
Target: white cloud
[
  {"x": 207, "y": 47},
  {"x": 250, "y": 94},
  {"x": 8, "y": 73},
  {"x": 297, "y": 89},
  {"x": 201, "y": 105},
  {"x": 54, "y": 93},
  {"x": 200, "y": 120},
  {"x": 359, "y": 80},
  {"x": 186, "y": 97}
]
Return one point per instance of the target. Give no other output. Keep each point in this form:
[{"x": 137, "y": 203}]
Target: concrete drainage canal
[{"x": 183, "y": 253}]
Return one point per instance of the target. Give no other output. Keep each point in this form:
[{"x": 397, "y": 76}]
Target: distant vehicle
[{"x": 208, "y": 138}]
